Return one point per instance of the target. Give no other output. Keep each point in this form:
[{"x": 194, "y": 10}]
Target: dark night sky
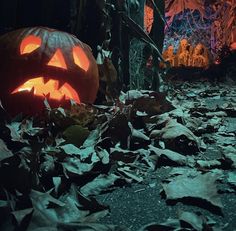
[
  {"x": 57, "y": 14},
  {"x": 23, "y": 13}
]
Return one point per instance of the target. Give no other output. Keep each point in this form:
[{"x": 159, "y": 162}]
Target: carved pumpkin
[
  {"x": 169, "y": 56},
  {"x": 183, "y": 53},
  {"x": 199, "y": 57},
  {"x": 39, "y": 63}
]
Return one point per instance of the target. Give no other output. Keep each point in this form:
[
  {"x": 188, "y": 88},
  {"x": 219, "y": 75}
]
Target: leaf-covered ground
[{"x": 146, "y": 163}]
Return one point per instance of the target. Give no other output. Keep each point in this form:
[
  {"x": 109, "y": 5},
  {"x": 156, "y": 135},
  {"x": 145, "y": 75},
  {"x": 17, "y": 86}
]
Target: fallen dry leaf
[{"x": 201, "y": 187}]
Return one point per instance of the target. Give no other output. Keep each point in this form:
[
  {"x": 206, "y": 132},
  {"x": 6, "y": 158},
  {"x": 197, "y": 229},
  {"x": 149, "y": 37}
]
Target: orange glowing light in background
[
  {"x": 30, "y": 44},
  {"x": 50, "y": 89},
  {"x": 80, "y": 58},
  {"x": 58, "y": 60},
  {"x": 148, "y": 18}
]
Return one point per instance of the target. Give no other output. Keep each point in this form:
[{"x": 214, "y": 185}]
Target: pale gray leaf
[{"x": 100, "y": 183}]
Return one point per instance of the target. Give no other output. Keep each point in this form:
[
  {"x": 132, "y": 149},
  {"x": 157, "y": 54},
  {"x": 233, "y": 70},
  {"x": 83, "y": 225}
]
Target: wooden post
[{"x": 157, "y": 34}]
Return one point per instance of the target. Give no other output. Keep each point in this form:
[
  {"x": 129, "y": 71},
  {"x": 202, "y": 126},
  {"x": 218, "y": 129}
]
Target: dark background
[
  {"x": 24, "y": 13},
  {"x": 58, "y": 14}
]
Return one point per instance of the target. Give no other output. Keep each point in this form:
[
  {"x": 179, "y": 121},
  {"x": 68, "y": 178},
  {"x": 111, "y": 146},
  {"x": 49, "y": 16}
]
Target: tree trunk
[
  {"x": 120, "y": 43},
  {"x": 157, "y": 34}
]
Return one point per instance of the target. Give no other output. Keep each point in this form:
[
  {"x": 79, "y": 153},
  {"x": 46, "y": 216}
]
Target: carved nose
[{"x": 58, "y": 60}]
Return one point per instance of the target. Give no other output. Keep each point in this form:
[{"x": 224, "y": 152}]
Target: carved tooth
[
  {"x": 46, "y": 79},
  {"x": 63, "y": 98},
  {"x": 60, "y": 84},
  {"x": 32, "y": 91},
  {"x": 47, "y": 95}
]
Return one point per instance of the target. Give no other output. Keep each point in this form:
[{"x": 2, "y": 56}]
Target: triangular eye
[
  {"x": 58, "y": 60},
  {"x": 29, "y": 44},
  {"x": 80, "y": 58}
]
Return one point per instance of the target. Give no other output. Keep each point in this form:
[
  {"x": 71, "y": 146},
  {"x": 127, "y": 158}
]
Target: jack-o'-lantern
[
  {"x": 199, "y": 57},
  {"x": 183, "y": 53},
  {"x": 39, "y": 63},
  {"x": 169, "y": 56}
]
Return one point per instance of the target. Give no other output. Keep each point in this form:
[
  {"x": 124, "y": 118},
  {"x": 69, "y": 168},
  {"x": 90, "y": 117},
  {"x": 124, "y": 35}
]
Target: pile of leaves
[
  {"x": 54, "y": 163},
  {"x": 52, "y": 166}
]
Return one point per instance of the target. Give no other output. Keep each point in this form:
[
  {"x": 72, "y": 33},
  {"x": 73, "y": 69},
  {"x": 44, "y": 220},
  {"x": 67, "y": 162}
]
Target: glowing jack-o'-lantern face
[
  {"x": 198, "y": 50},
  {"x": 184, "y": 44},
  {"x": 47, "y": 63},
  {"x": 170, "y": 50}
]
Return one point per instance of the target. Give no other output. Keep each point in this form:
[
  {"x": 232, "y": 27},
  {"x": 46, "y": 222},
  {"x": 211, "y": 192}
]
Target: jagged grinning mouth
[{"x": 51, "y": 89}]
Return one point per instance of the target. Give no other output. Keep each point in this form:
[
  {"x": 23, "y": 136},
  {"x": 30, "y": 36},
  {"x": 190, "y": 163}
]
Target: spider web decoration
[
  {"x": 210, "y": 22},
  {"x": 174, "y": 7},
  {"x": 191, "y": 26},
  {"x": 136, "y": 62},
  {"x": 223, "y": 25}
]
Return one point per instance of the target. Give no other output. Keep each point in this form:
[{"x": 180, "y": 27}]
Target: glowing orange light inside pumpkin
[
  {"x": 80, "y": 58},
  {"x": 233, "y": 46},
  {"x": 29, "y": 44},
  {"x": 50, "y": 89},
  {"x": 58, "y": 60},
  {"x": 148, "y": 18}
]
